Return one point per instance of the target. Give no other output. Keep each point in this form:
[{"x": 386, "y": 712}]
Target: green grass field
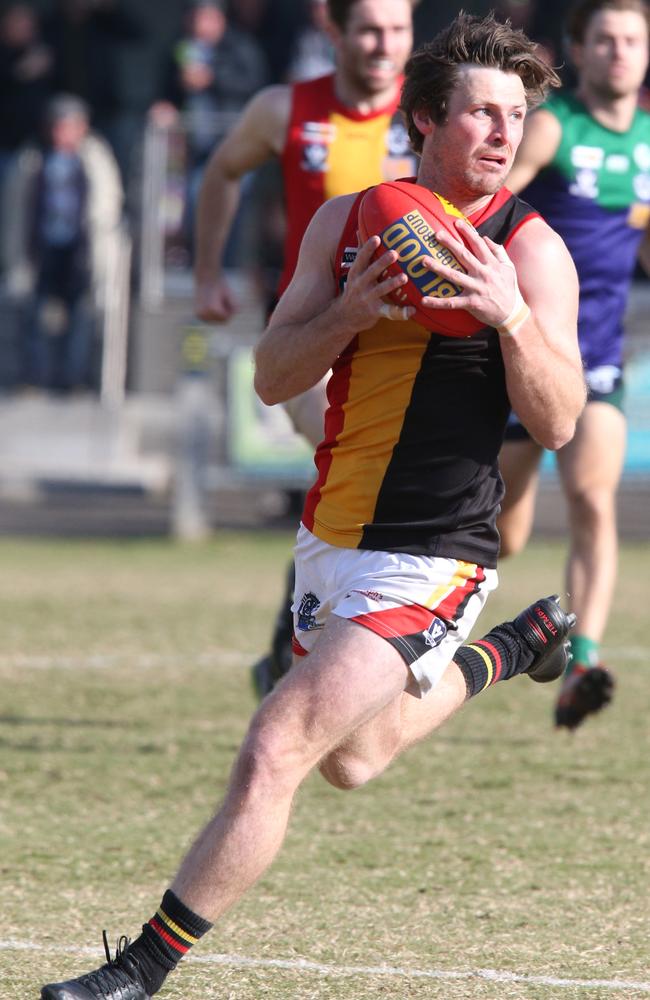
[{"x": 498, "y": 844}]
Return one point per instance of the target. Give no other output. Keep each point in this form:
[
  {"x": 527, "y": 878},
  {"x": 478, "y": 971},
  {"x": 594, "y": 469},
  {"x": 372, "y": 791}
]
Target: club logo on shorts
[
  {"x": 436, "y": 632},
  {"x": 308, "y": 605}
]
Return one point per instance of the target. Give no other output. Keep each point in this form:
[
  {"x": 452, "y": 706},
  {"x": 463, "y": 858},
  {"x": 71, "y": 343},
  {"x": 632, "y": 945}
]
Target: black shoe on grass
[
  {"x": 544, "y": 627},
  {"x": 118, "y": 979},
  {"x": 586, "y": 690}
]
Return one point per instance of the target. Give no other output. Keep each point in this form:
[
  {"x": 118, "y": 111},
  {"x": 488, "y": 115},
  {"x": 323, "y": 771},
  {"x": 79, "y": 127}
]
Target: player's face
[
  {"x": 613, "y": 58},
  {"x": 470, "y": 154},
  {"x": 375, "y": 43}
]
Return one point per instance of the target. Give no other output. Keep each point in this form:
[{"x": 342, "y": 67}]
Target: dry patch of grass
[{"x": 496, "y": 844}]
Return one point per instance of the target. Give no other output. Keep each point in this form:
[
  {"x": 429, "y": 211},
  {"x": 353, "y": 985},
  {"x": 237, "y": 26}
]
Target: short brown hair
[
  {"x": 432, "y": 71},
  {"x": 339, "y": 11},
  {"x": 582, "y": 12}
]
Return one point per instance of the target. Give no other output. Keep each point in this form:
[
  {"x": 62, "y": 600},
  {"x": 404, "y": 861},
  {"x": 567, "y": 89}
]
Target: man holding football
[
  {"x": 397, "y": 550},
  {"x": 331, "y": 136},
  {"x": 585, "y": 165}
]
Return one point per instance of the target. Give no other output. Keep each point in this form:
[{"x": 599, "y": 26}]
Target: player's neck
[
  {"x": 465, "y": 200},
  {"x": 353, "y": 96},
  {"x": 616, "y": 114}
]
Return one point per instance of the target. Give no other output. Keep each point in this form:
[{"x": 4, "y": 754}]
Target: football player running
[{"x": 397, "y": 551}]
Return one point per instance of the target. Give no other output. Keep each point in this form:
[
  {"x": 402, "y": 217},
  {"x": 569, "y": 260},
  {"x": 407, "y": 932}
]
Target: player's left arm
[{"x": 529, "y": 293}]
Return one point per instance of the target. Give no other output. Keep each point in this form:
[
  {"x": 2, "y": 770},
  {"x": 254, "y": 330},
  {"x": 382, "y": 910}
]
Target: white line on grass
[{"x": 302, "y": 965}]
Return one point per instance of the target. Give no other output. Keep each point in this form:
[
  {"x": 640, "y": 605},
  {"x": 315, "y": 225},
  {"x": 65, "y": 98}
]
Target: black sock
[
  {"x": 500, "y": 654},
  {"x": 169, "y": 935},
  {"x": 281, "y": 652}
]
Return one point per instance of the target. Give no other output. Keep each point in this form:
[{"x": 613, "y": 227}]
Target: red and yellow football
[{"x": 406, "y": 217}]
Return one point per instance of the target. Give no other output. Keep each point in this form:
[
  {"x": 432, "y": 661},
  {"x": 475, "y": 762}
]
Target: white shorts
[{"x": 425, "y": 607}]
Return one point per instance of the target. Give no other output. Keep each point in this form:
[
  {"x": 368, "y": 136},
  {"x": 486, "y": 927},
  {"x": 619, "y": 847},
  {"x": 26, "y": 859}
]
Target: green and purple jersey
[{"x": 596, "y": 194}]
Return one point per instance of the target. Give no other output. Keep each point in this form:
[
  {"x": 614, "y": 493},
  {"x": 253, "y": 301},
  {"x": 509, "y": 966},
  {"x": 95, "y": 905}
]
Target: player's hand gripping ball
[{"x": 406, "y": 217}]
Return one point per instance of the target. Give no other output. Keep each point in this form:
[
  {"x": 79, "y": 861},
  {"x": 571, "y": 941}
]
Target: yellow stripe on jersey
[
  {"x": 356, "y": 154},
  {"x": 383, "y": 369}
]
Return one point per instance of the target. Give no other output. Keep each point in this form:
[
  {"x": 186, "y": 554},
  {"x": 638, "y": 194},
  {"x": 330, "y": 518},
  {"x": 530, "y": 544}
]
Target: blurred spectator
[
  {"x": 112, "y": 53},
  {"x": 63, "y": 209},
  {"x": 313, "y": 53},
  {"x": 214, "y": 69},
  {"x": 275, "y": 25},
  {"x": 546, "y": 26},
  {"x": 26, "y": 71}
]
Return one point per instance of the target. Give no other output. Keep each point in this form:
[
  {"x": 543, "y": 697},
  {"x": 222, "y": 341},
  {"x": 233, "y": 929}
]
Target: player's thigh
[
  {"x": 350, "y": 676},
  {"x": 593, "y": 459},
  {"x": 519, "y": 467}
]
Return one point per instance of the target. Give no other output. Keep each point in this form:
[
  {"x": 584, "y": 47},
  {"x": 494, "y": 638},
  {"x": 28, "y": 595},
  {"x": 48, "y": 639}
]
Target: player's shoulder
[
  {"x": 551, "y": 119},
  {"x": 325, "y": 231},
  {"x": 538, "y": 246},
  {"x": 334, "y": 211},
  {"x": 273, "y": 100},
  {"x": 562, "y": 104},
  {"x": 265, "y": 119}
]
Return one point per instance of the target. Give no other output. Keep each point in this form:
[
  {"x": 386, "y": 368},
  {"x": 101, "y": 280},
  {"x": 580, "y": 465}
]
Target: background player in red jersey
[{"x": 333, "y": 135}]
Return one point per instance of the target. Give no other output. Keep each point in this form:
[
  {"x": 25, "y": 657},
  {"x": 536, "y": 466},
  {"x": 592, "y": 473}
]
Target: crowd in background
[{"x": 81, "y": 80}]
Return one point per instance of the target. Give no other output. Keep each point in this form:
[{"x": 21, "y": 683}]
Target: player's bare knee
[
  {"x": 591, "y": 506},
  {"x": 269, "y": 757}
]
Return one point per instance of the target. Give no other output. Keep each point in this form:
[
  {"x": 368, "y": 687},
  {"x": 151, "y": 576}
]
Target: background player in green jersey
[{"x": 584, "y": 163}]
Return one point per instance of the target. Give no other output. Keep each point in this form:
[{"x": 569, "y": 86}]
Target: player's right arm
[
  {"x": 258, "y": 136},
  {"x": 311, "y": 324},
  {"x": 542, "y": 134}
]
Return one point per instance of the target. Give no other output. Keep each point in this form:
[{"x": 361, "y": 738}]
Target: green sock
[{"x": 584, "y": 652}]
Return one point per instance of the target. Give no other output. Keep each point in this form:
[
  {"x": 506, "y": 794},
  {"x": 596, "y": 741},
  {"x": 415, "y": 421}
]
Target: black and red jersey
[{"x": 413, "y": 429}]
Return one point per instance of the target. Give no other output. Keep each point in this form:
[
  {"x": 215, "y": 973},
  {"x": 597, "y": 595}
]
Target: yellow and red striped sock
[
  {"x": 497, "y": 656},
  {"x": 165, "y": 939}
]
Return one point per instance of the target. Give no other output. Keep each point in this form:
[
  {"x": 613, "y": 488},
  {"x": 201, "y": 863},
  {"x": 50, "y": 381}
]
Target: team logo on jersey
[
  {"x": 585, "y": 185},
  {"x": 587, "y": 157},
  {"x": 309, "y": 604},
  {"x": 641, "y": 155},
  {"x": 617, "y": 163},
  {"x": 641, "y": 185},
  {"x": 603, "y": 379},
  {"x": 348, "y": 258},
  {"x": 436, "y": 632},
  {"x": 314, "y": 158},
  {"x": 397, "y": 140},
  {"x": 316, "y": 138}
]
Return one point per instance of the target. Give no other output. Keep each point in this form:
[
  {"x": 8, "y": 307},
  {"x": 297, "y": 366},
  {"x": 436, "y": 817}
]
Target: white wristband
[{"x": 516, "y": 319}]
